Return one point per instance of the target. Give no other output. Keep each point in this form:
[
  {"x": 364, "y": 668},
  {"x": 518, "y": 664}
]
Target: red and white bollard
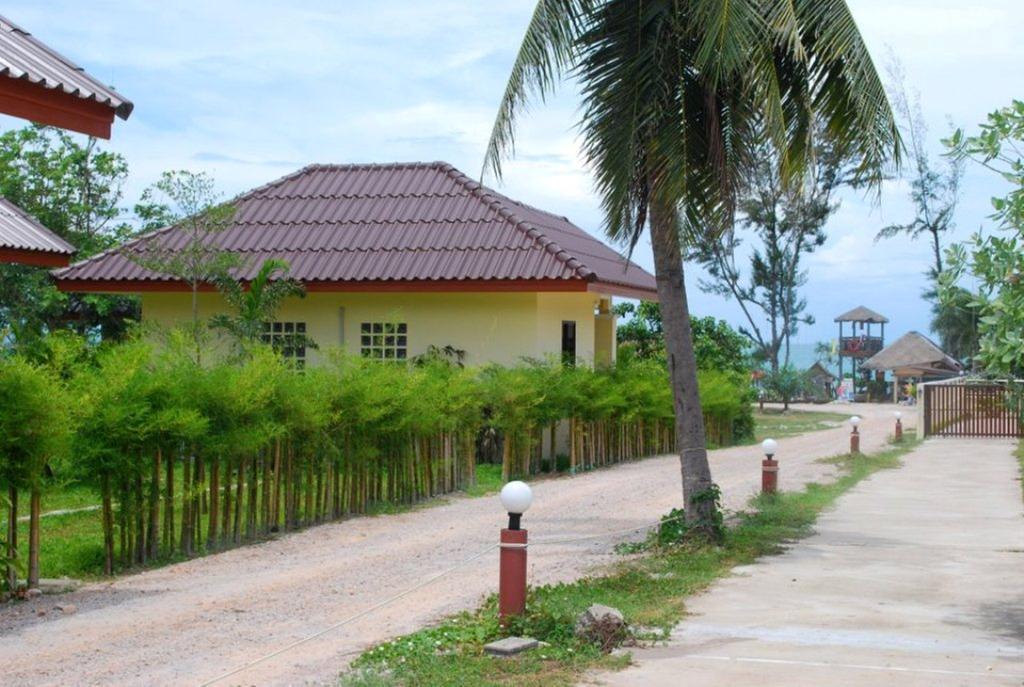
[
  {"x": 516, "y": 498},
  {"x": 854, "y": 436},
  {"x": 898, "y": 434},
  {"x": 769, "y": 467}
]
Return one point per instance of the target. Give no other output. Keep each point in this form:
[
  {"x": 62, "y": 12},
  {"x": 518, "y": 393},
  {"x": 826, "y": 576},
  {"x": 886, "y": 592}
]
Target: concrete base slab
[
  {"x": 915, "y": 578},
  {"x": 510, "y": 646}
]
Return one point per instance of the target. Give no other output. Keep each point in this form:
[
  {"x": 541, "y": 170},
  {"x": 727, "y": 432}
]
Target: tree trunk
[
  {"x": 153, "y": 535},
  {"x": 211, "y": 532},
  {"x": 169, "y": 506},
  {"x": 108, "y": 525},
  {"x": 35, "y": 507},
  {"x": 682, "y": 368},
  {"x": 186, "y": 505},
  {"x": 12, "y": 537}
]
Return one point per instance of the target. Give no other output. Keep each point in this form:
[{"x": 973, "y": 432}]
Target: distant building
[{"x": 823, "y": 382}]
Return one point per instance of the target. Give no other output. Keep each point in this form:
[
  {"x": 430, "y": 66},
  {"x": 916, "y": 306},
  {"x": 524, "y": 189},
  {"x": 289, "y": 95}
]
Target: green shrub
[{"x": 189, "y": 457}]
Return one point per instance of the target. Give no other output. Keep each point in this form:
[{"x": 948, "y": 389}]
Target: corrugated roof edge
[{"x": 122, "y": 109}]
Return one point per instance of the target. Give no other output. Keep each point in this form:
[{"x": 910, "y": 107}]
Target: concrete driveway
[{"x": 915, "y": 578}]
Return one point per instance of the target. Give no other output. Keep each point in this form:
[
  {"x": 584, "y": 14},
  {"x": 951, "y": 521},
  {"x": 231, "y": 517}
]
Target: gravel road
[{"x": 188, "y": 623}]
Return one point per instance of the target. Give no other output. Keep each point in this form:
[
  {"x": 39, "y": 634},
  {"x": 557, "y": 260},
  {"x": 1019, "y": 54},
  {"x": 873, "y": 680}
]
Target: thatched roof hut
[{"x": 914, "y": 355}]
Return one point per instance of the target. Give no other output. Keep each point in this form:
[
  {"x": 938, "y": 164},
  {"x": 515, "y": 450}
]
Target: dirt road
[{"x": 187, "y": 623}]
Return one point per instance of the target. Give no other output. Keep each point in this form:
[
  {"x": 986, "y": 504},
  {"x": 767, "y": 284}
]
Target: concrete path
[{"x": 915, "y": 578}]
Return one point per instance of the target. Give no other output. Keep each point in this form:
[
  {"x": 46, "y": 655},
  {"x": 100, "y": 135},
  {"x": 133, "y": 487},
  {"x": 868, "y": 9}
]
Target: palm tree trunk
[{"x": 682, "y": 367}]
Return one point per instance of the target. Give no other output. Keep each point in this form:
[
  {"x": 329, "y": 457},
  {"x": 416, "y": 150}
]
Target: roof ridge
[
  {"x": 387, "y": 249},
  {"x": 494, "y": 201},
  {"x": 351, "y": 196}
]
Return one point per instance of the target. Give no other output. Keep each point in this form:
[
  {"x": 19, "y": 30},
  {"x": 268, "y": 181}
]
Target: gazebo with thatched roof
[{"x": 913, "y": 355}]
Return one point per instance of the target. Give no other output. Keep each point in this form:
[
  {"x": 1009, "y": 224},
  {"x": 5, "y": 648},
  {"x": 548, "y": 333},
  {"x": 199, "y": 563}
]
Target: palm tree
[{"x": 677, "y": 96}]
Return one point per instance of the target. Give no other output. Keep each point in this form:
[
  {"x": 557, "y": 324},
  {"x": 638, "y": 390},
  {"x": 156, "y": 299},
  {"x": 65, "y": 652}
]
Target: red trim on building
[
  {"x": 34, "y": 257},
  {"x": 421, "y": 286},
  {"x": 55, "y": 108}
]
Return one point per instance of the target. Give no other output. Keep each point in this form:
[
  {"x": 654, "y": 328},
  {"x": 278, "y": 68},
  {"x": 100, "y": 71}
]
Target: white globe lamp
[
  {"x": 769, "y": 446},
  {"x": 516, "y": 498}
]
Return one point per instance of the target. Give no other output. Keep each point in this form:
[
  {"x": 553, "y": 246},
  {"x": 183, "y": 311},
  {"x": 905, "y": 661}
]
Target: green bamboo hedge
[{"x": 188, "y": 458}]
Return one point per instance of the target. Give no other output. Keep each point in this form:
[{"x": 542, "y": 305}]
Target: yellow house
[{"x": 396, "y": 258}]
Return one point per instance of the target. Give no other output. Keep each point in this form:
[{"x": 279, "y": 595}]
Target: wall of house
[{"x": 489, "y": 327}]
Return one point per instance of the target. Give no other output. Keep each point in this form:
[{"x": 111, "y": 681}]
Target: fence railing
[{"x": 972, "y": 408}]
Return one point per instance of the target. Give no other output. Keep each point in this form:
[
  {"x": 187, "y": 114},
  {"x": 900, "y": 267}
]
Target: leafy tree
[
  {"x": 256, "y": 303},
  {"x": 74, "y": 190},
  {"x": 785, "y": 222},
  {"x": 642, "y": 332},
  {"x": 34, "y": 429},
  {"x": 189, "y": 200},
  {"x": 996, "y": 261},
  {"x": 955, "y": 319},
  {"x": 676, "y": 96},
  {"x": 786, "y": 384},
  {"x": 717, "y": 346},
  {"x": 934, "y": 191},
  {"x": 825, "y": 351}
]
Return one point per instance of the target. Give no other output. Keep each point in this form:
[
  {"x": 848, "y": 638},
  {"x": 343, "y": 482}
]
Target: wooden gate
[{"x": 972, "y": 409}]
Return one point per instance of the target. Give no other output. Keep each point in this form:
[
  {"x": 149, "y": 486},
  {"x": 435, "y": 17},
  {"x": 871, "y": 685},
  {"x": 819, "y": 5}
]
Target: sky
[{"x": 251, "y": 90}]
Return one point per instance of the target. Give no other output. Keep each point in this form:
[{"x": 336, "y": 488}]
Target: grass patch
[
  {"x": 1020, "y": 459},
  {"x": 488, "y": 480},
  {"x": 649, "y": 589},
  {"x": 777, "y": 424}
]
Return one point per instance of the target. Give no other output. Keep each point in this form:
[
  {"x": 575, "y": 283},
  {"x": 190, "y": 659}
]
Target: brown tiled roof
[
  {"x": 861, "y": 314},
  {"x": 388, "y": 223},
  {"x": 22, "y": 57},
  {"x": 21, "y": 235}
]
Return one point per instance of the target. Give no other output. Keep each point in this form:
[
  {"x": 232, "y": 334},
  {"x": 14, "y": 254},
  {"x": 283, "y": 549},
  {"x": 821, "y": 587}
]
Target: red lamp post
[
  {"x": 898, "y": 434},
  {"x": 854, "y": 436},
  {"x": 769, "y": 467},
  {"x": 516, "y": 498}
]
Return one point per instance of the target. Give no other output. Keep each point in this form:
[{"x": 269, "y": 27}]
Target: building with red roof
[{"x": 396, "y": 258}]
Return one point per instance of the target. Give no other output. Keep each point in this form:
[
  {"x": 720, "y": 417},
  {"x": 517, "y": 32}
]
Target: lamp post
[
  {"x": 769, "y": 467},
  {"x": 854, "y": 435},
  {"x": 516, "y": 498},
  {"x": 898, "y": 434}
]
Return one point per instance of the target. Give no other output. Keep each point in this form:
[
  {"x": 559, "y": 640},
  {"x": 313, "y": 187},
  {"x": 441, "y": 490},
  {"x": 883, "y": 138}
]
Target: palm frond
[
  {"x": 545, "y": 56},
  {"x": 848, "y": 94}
]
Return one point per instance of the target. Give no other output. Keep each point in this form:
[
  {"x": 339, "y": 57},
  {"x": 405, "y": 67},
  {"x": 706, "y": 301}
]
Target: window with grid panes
[
  {"x": 289, "y": 338},
  {"x": 383, "y": 340}
]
